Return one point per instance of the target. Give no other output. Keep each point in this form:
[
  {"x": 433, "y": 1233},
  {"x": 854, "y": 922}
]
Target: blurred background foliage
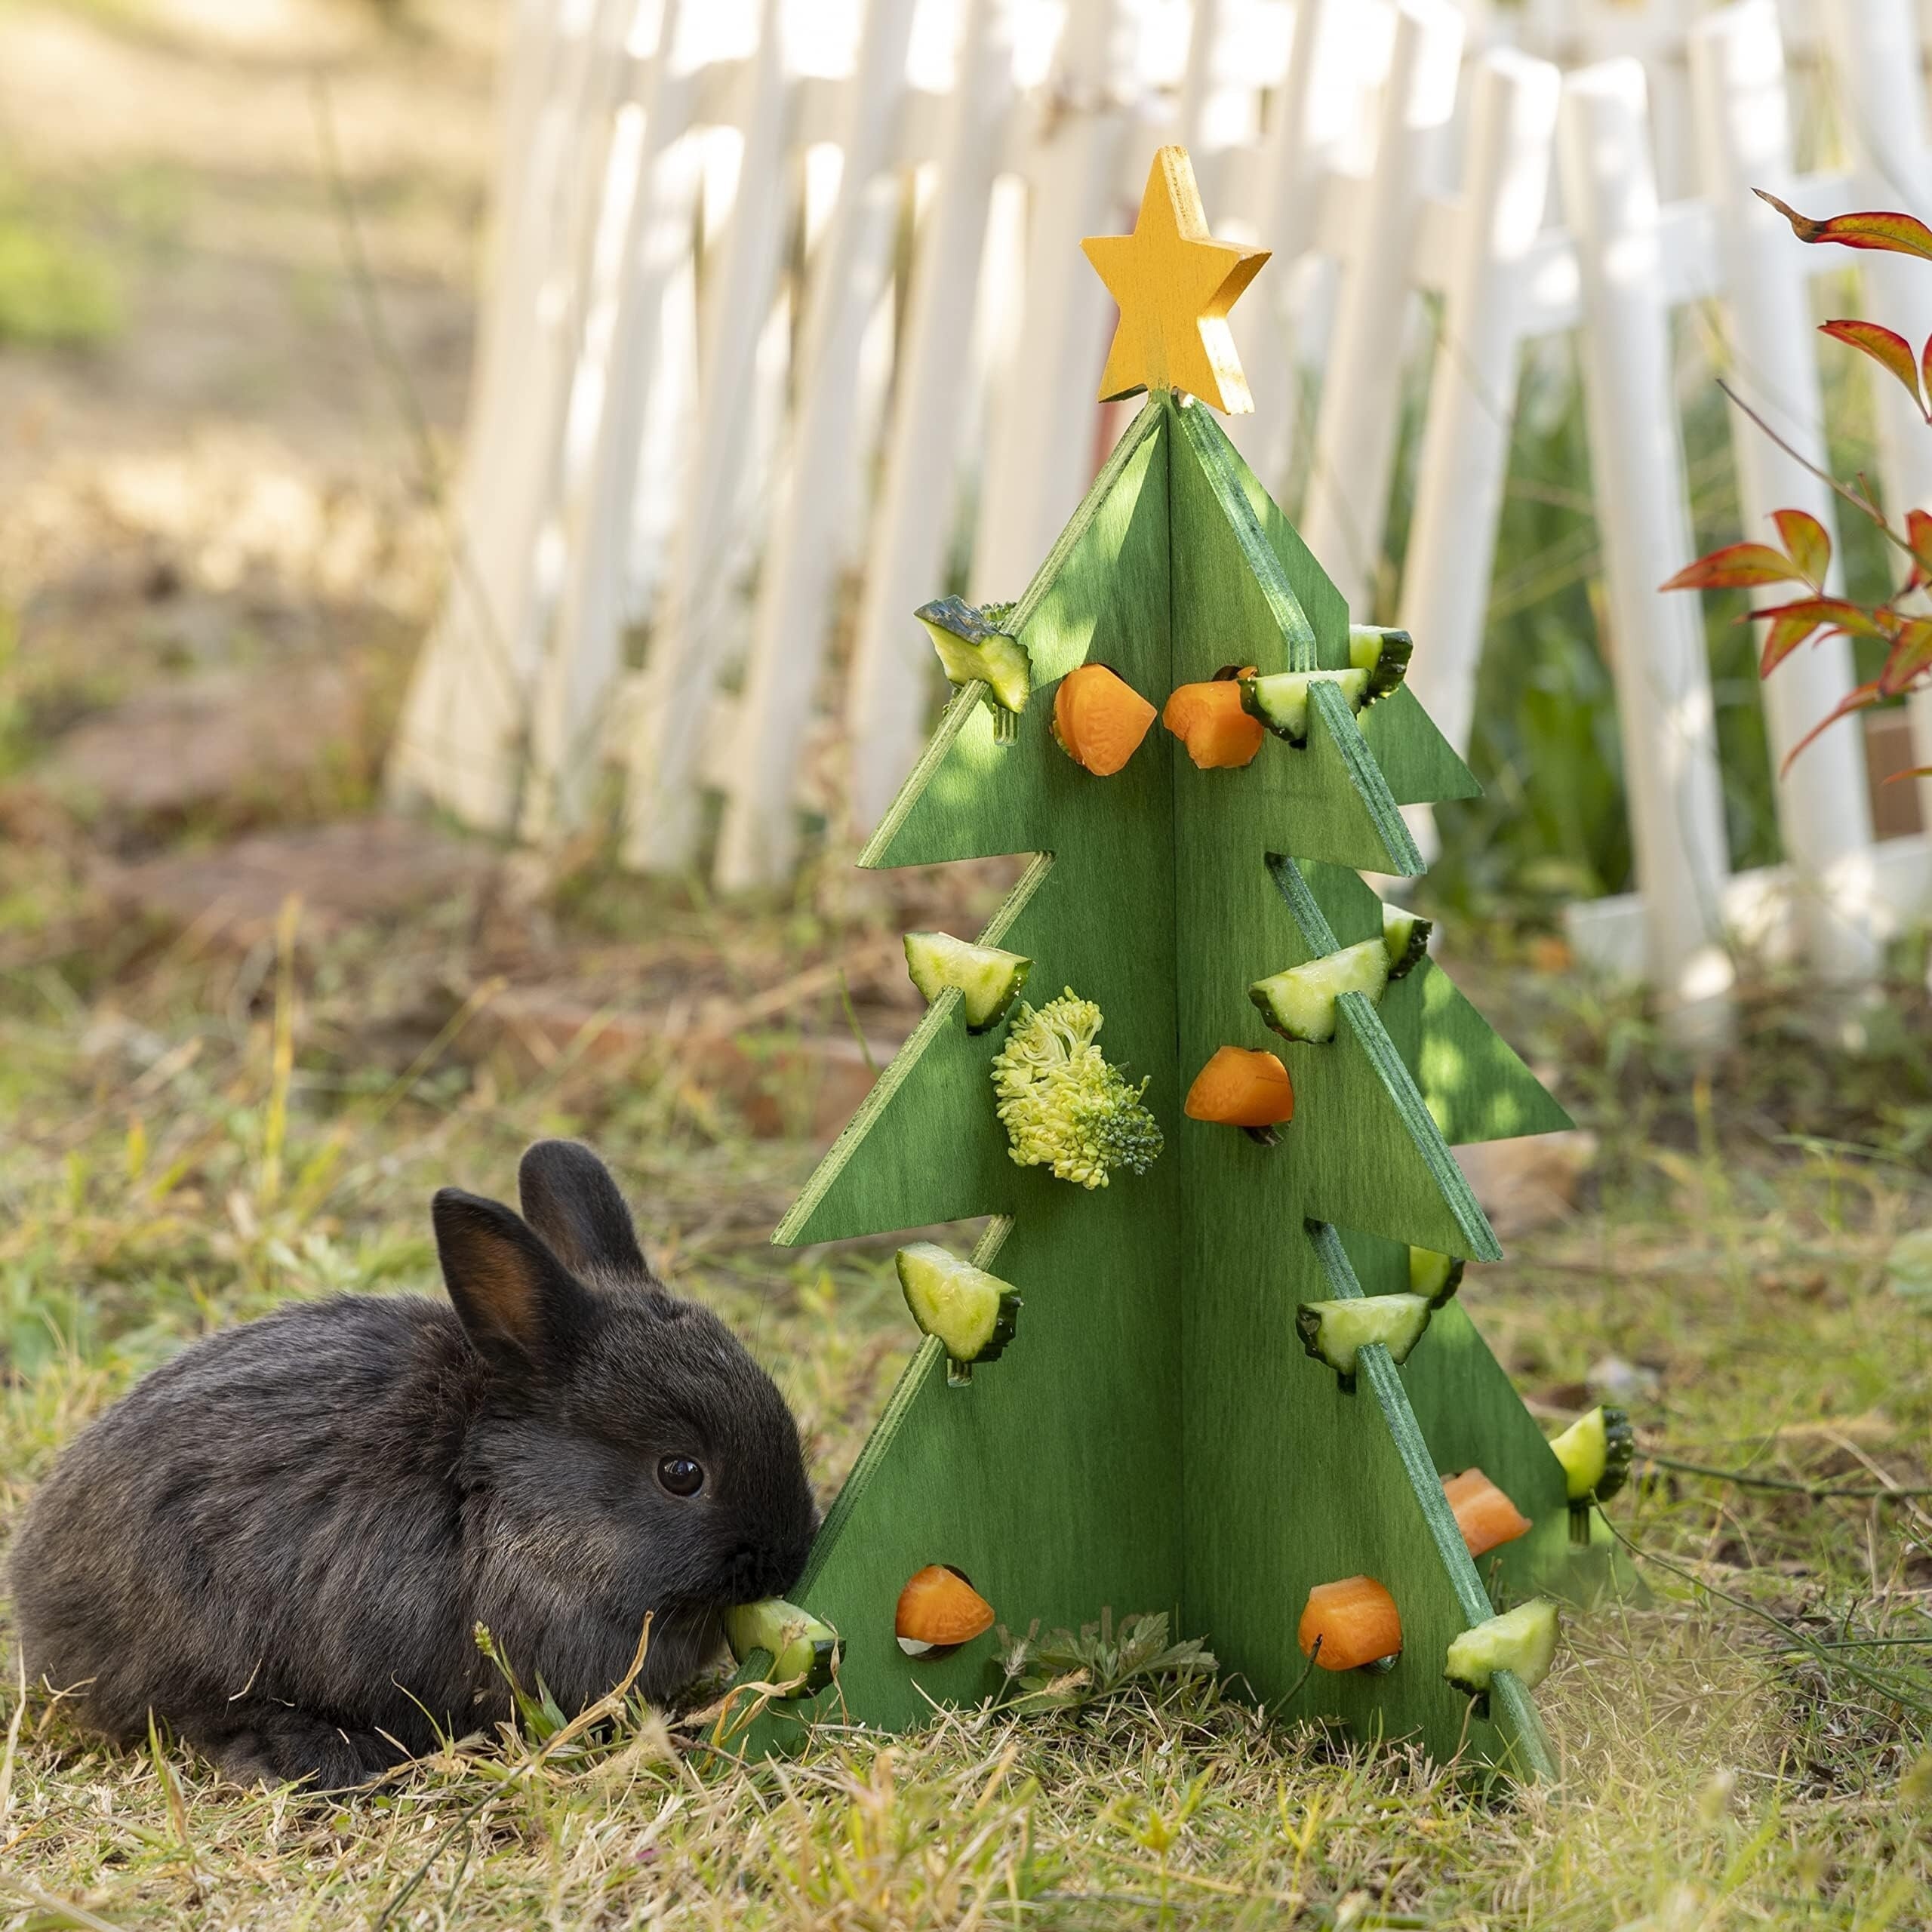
[{"x": 1551, "y": 825}]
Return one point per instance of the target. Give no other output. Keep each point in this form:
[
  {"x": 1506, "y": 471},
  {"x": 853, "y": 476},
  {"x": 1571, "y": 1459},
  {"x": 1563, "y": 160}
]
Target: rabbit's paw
[{"x": 291, "y": 1747}]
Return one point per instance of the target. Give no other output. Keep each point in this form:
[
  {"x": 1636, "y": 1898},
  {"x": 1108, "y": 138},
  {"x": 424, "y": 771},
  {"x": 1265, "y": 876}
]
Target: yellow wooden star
[{"x": 1175, "y": 284}]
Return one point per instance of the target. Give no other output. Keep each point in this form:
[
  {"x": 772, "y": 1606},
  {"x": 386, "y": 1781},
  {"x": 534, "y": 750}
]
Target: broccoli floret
[{"x": 1063, "y": 1107}]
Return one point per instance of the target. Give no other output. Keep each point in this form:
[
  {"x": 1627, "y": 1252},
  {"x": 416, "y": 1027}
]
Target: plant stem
[
  {"x": 1894, "y": 1693},
  {"x": 1818, "y": 1492}
]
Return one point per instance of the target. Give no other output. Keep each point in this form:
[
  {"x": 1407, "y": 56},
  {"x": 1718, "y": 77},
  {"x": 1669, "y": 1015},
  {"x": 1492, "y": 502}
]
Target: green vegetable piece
[
  {"x": 989, "y": 980},
  {"x": 1379, "y": 660},
  {"x": 1438, "y": 1276},
  {"x": 1405, "y": 940},
  {"x": 1522, "y": 1640},
  {"x": 1383, "y": 654},
  {"x": 1596, "y": 1451},
  {"x": 973, "y": 1313},
  {"x": 970, "y": 648},
  {"x": 1063, "y": 1106},
  {"x": 1336, "y": 1332},
  {"x": 1279, "y": 700},
  {"x": 1299, "y": 1003},
  {"x": 799, "y": 1645}
]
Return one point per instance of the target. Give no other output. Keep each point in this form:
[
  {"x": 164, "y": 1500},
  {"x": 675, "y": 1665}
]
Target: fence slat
[
  {"x": 461, "y": 741},
  {"x": 623, "y": 336},
  {"x": 661, "y": 811},
  {"x": 1743, "y": 129},
  {"x": 1875, "y": 48},
  {"x": 1314, "y": 117},
  {"x": 757, "y": 843},
  {"x": 892, "y": 681},
  {"x": 1354, "y": 437},
  {"x": 1465, "y": 449},
  {"x": 1042, "y": 453},
  {"x": 1657, "y": 643}
]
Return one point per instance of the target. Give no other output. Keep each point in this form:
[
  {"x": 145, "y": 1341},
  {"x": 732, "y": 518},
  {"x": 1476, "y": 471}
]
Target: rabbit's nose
[{"x": 757, "y": 1573}]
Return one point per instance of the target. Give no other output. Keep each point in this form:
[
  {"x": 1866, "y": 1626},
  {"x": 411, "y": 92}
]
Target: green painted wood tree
[{"x": 1156, "y": 1437}]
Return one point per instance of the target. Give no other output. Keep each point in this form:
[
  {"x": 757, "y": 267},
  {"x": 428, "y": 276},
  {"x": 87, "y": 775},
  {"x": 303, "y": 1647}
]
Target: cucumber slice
[
  {"x": 1405, "y": 940},
  {"x": 1596, "y": 1451},
  {"x": 1438, "y": 1276},
  {"x": 1337, "y": 1331},
  {"x": 973, "y": 1313},
  {"x": 1280, "y": 699},
  {"x": 800, "y": 1644},
  {"x": 989, "y": 980},
  {"x": 969, "y": 647},
  {"x": 1299, "y": 1003},
  {"x": 1383, "y": 654},
  {"x": 1522, "y": 1640}
]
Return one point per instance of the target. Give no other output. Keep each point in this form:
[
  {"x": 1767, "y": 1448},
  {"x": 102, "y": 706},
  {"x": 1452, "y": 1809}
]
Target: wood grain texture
[
  {"x": 1155, "y": 1438},
  {"x": 1102, "y": 594},
  {"x": 1290, "y": 1481},
  {"x": 1419, "y": 764},
  {"x": 1053, "y": 1480},
  {"x": 1254, "y": 594}
]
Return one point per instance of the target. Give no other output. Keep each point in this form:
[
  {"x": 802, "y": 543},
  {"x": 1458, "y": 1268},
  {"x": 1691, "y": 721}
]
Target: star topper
[{"x": 1175, "y": 284}]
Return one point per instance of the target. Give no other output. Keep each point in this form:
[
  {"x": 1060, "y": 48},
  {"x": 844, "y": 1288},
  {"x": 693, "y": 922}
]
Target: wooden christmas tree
[{"x": 1156, "y": 1436}]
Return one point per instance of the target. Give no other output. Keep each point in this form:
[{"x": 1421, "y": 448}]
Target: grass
[
  {"x": 55, "y": 293},
  {"x": 198, "y": 1137}
]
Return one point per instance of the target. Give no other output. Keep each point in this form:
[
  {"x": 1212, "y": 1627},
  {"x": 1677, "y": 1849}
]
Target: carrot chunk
[
  {"x": 938, "y": 1606},
  {"x": 1243, "y": 1088},
  {"x": 1209, "y": 720},
  {"x": 1355, "y": 1620},
  {"x": 1485, "y": 1516},
  {"x": 1099, "y": 719}
]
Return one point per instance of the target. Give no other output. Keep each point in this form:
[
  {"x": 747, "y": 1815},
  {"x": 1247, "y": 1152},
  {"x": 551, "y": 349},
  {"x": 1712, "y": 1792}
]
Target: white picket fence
[{"x": 850, "y": 406}]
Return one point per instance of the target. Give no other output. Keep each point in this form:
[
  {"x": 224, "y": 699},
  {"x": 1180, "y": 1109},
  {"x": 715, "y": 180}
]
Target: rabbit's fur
[{"x": 280, "y": 1541}]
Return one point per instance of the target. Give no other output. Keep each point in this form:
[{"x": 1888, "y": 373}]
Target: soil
[{"x": 221, "y": 542}]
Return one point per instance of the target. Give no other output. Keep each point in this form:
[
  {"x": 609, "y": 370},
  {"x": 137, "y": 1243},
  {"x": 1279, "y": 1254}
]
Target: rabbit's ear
[
  {"x": 518, "y": 1303},
  {"x": 571, "y": 1199}
]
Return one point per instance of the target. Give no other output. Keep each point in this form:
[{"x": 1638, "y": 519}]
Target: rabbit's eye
[{"x": 680, "y": 1475}]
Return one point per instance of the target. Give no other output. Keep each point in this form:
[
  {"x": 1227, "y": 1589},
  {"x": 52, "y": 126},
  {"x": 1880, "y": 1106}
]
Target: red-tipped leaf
[
  {"x": 1807, "y": 542},
  {"x": 1918, "y": 534},
  {"x": 1736, "y": 566},
  {"x": 1839, "y": 612},
  {"x": 1910, "y": 658},
  {"x": 1886, "y": 347},
  {"x": 1899, "y": 234},
  {"x": 1861, "y": 698},
  {"x": 1790, "y": 625},
  {"x": 1795, "y": 621}
]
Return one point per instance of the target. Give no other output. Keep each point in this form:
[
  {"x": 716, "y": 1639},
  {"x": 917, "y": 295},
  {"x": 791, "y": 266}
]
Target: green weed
[{"x": 55, "y": 291}]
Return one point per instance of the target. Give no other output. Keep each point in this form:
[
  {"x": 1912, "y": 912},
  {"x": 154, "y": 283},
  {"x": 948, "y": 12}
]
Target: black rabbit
[{"x": 280, "y": 1541}]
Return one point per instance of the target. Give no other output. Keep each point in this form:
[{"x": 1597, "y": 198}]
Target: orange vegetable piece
[
  {"x": 1100, "y": 718},
  {"x": 1208, "y": 719},
  {"x": 938, "y": 1606},
  {"x": 1243, "y": 1088},
  {"x": 1485, "y": 1516},
  {"x": 1356, "y": 1621}
]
